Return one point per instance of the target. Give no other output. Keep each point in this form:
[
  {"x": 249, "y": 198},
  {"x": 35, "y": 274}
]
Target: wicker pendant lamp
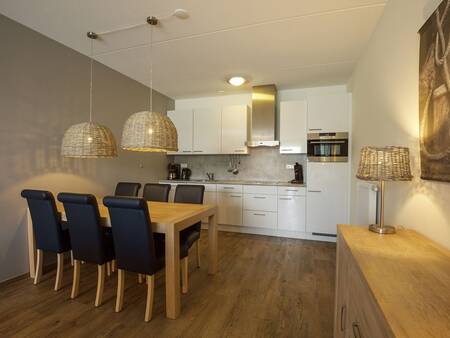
[
  {"x": 89, "y": 139},
  {"x": 149, "y": 131}
]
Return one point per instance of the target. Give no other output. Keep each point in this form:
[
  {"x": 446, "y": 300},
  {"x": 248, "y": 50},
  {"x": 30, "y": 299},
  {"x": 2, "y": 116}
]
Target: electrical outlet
[
  {"x": 289, "y": 166},
  {"x": 183, "y": 165}
]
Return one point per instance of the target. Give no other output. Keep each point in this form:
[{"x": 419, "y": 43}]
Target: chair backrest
[
  {"x": 86, "y": 234},
  {"x": 189, "y": 194},
  {"x": 132, "y": 233},
  {"x": 46, "y": 224},
  {"x": 156, "y": 192},
  {"x": 129, "y": 189}
]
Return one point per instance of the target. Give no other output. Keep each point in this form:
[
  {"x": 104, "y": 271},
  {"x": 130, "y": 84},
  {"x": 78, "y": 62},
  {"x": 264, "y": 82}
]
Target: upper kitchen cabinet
[
  {"x": 293, "y": 120},
  {"x": 234, "y": 129},
  {"x": 207, "y": 130},
  {"x": 328, "y": 113},
  {"x": 183, "y": 119}
]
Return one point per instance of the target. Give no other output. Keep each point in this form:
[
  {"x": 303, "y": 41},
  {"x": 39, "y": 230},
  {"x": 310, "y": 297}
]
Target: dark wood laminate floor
[{"x": 266, "y": 287}]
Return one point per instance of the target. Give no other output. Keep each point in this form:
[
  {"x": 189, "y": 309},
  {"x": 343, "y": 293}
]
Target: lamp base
[{"x": 385, "y": 230}]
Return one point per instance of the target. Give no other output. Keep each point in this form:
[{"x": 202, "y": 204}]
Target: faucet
[{"x": 210, "y": 176}]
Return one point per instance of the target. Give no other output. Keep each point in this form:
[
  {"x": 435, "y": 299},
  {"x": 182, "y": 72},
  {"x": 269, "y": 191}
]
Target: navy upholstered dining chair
[
  {"x": 137, "y": 249},
  {"x": 130, "y": 189},
  {"x": 156, "y": 192},
  {"x": 91, "y": 242},
  {"x": 48, "y": 231},
  {"x": 190, "y": 194}
]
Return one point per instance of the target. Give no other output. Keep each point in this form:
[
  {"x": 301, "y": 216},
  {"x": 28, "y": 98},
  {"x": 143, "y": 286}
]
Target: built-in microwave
[{"x": 327, "y": 147}]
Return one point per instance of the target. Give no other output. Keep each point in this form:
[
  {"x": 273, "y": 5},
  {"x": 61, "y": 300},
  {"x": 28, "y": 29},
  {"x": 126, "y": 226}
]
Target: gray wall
[
  {"x": 262, "y": 164},
  {"x": 44, "y": 88}
]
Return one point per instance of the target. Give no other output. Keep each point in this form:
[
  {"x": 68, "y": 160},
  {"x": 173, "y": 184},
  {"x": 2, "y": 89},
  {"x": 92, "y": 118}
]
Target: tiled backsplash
[{"x": 261, "y": 164}]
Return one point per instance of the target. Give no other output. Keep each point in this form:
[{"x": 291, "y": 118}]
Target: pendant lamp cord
[
  {"x": 90, "y": 87},
  {"x": 151, "y": 69}
]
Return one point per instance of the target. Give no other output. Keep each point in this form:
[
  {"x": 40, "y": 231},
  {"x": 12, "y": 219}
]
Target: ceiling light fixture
[
  {"x": 236, "y": 81},
  {"x": 89, "y": 139},
  {"x": 150, "y": 131}
]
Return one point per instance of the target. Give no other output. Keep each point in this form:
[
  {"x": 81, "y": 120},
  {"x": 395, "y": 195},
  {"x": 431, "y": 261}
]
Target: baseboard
[{"x": 273, "y": 233}]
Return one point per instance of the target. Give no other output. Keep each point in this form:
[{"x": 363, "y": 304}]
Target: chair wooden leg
[
  {"x": 140, "y": 278},
  {"x": 71, "y": 258},
  {"x": 100, "y": 284},
  {"x": 59, "y": 270},
  {"x": 76, "y": 278},
  {"x": 113, "y": 265},
  {"x": 150, "y": 291},
  {"x": 38, "y": 273},
  {"x": 120, "y": 289},
  {"x": 184, "y": 275},
  {"x": 108, "y": 269},
  {"x": 197, "y": 244}
]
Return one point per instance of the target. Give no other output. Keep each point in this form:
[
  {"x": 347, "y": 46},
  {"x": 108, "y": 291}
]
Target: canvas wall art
[{"x": 434, "y": 95}]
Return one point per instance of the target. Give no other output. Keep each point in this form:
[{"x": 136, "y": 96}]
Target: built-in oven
[{"x": 328, "y": 147}]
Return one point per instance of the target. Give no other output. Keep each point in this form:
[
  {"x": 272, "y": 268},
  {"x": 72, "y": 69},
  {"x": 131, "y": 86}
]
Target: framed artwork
[{"x": 434, "y": 95}]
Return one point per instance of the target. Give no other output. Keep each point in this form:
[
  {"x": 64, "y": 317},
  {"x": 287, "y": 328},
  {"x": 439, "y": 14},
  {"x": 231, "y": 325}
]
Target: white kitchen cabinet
[
  {"x": 292, "y": 213},
  {"x": 183, "y": 121},
  {"x": 229, "y": 208},
  {"x": 293, "y": 125},
  {"x": 327, "y": 197},
  {"x": 260, "y": 202},
  {"x": 329, "y": 113},
  {"x": 234, "y": 129},
  {"x": 207, "y": 130},
  {"x": 260, "y": 219}
]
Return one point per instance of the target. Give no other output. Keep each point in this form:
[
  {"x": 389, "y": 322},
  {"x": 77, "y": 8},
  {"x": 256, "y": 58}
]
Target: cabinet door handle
[
  {"x": 287, "y": 149},
  {"x": 259, "y": 197},
  {"x": 314, "y": 191},
  {"x": 343, "y": 313},
  {"x": 285, "y": 199},
  {"x": 312, "y": 129},
  {"x": 239, "y": 150},
  {"x": 186, "y": 151},
  {"x": 293, "y": 190},
  {"x": 259, "y": 214},
  {"x": 198, "y": 151},
  {"x": 356, "y": 331},
  {"x": 235, "y": 196},
  {"x": 229, "y": 188}
]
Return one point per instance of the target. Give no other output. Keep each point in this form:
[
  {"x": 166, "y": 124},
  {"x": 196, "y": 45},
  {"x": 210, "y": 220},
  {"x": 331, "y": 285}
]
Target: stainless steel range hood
[{"x": 263, "y": 117}]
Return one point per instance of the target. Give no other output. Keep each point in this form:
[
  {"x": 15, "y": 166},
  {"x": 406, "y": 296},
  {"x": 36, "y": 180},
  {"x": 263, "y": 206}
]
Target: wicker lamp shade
[
  {"x": 88, "y": 140},
  {"x": 150, "y": 132},
  {"x": 384, "y": 164}
]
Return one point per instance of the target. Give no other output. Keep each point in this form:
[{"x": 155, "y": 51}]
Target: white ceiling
[{"x": 292, "y": 43}]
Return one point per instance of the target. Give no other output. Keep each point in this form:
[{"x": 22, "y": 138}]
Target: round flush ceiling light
[{"x": 236, "y": 81}]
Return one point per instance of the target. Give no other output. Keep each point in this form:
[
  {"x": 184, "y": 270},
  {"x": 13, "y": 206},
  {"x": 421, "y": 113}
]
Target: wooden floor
[{"x": 265, "y": 287}]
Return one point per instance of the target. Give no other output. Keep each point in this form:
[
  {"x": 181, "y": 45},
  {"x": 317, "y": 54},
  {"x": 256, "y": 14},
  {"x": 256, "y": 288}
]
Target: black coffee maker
[
  {"x": 174, "y": 171},
  {"x": 298, "y": 172}
]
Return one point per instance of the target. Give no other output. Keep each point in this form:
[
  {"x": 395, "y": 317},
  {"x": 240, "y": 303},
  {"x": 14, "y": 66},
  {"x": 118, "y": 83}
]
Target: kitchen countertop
[{"x": 239, "y": 182}]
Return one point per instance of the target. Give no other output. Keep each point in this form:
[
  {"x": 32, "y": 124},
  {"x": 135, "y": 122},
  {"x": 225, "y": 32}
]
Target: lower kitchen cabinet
[
  {"x": 292, "y": 213},
  {"x": 229, "y": 208},
  {"x": 260, "y": 219}
]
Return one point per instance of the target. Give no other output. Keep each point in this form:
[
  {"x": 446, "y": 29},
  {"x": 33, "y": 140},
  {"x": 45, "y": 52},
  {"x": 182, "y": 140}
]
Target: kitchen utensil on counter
[
  {"x": 210, "y": 176},
  {"x": 186, "y": 174},
  {"x": 298, "y": 174},
  {"x": 174, "y": 171},
  {"x": 233, "y": 164}
]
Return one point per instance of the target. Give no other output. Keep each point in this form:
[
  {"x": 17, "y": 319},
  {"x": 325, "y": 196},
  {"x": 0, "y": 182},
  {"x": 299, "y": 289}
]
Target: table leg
[
  {"x": 173, "y": 296},
  {"x": 212, "y": 244},
  {"x": 31, "y": 246}
]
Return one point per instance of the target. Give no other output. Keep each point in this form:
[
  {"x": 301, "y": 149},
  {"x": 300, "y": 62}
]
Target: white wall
[
  {"x": 44, "y": 88},
  {"x": 386, "y": 112}
]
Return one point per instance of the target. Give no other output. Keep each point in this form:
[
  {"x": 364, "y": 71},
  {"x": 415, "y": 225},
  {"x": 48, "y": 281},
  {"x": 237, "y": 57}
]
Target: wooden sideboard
[{"x": 391, "y": 286}]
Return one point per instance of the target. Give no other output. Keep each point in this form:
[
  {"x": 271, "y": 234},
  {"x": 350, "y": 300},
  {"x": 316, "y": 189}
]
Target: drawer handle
[
  {"x": 285, "y": 199},
  {"x": 356, "y": 331},
  {"x": 229, "y": 188},
  {"x": 259, "y": 197},
  {"x": 239, "y": 151},
  {"x": 186, "y": 151},
  {"x": 235, "y": 196},
  {"x": 294, "y": 190},
  {"x": 287, "y": 149},
  {"x": 315, "y": 129},
  {"x": 198, "y": 151},
  {"x": 314, "y": 191},
  {"x": 343, "y": 313},
  {"x": 259, "y": 214}
]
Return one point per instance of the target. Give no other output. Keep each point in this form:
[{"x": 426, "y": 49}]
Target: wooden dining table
[{"x": 168, "y": 219}]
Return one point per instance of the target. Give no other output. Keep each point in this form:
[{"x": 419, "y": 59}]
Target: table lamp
[{"x": 384, "y": 164}]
